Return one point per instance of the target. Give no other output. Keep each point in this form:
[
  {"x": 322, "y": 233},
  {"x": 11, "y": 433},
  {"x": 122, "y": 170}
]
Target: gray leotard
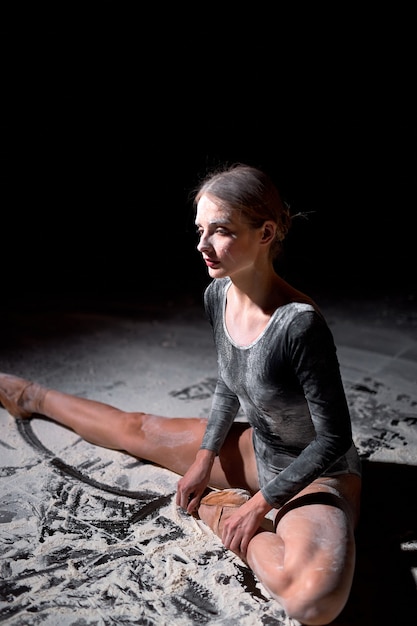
[{"x": 288, "y": 384}]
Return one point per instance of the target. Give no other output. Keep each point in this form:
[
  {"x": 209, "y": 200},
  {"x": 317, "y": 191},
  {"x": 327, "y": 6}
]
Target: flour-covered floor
[{"x": 91, "y": 536}]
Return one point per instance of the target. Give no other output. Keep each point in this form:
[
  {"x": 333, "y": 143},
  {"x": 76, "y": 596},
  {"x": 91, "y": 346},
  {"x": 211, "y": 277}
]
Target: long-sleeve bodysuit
[{"x": 289, "y": 386}]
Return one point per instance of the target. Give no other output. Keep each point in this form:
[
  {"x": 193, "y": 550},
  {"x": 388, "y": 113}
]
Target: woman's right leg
[{"x": 169, "y": 442}]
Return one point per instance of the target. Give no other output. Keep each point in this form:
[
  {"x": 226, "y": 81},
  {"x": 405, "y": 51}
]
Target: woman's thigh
[
  {"x": 317, "y": 529},
  {"x": 236, "y": 464},
  {"x": 338, "y": 492}
]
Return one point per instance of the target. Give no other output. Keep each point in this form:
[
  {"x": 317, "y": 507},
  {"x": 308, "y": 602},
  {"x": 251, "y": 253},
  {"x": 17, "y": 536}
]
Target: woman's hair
[{"x": 249, "y": 190}]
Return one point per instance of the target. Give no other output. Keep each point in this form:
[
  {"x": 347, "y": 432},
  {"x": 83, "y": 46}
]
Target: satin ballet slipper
[
  {"x": 217, "y": 506},
  {"x": 20, "y": 397}
]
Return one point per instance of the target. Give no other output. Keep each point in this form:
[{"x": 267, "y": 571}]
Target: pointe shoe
[
  {"x": 20, "y": 397},
  {"x": 217, "y": 506}
]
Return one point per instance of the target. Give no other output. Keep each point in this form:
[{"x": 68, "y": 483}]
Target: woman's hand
[
  {"x": 193, "y": 484},
  {"x": 242, "y": 525}
]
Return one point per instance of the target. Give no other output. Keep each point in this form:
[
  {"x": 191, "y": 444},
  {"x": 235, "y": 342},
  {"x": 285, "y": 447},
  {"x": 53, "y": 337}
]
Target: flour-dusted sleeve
[
  {"x": 225, "y": 403},
  {"x": 225, "y": 406},
  {"x": 310, "y": 350}
]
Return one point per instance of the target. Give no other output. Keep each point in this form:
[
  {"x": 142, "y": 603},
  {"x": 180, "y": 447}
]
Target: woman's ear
[{"x": 268, "y": 232}]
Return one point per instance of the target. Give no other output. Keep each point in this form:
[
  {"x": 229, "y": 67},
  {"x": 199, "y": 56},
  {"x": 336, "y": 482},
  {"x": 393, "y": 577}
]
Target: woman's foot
[
  {"x": 20, "y": 397},
  {"x": 217, "y": 506}
]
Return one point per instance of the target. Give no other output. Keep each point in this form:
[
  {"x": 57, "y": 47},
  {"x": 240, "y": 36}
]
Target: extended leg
[{"x": 169, "y": 442}]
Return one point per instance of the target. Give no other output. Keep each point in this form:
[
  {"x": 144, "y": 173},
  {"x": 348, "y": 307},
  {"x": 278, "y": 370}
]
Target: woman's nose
[{"x": 203, "y": 244}]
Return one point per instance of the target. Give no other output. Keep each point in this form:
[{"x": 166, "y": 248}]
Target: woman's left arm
[{"x": 312, "y": 354}]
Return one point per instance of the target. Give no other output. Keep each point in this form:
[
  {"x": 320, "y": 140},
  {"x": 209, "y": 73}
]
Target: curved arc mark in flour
[{"x": 25, "y": 430}]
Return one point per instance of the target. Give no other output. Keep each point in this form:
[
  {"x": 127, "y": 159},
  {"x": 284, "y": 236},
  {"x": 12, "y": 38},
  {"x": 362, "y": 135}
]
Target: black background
[{"x": 114, "y": 115}]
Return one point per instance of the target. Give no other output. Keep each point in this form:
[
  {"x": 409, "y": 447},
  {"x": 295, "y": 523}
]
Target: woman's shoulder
[
  {"x": 303, "y": 324},
  {"x": 299, "y": 310},
  {"x": 214, "y": 295},
  {"x": 298, "y": 317},
  {"x": 216, "y": 288}
]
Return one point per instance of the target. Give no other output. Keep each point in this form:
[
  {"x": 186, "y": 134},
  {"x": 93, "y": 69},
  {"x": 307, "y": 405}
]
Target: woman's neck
[{"x": 266, "y": 292}]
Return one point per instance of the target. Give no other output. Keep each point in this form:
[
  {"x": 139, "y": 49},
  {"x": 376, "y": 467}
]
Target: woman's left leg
[{"x": 308, "y": 564}]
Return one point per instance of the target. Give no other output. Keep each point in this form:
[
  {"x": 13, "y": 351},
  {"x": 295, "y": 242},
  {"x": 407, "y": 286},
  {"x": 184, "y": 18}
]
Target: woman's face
[{"x": 228, "y": 245}]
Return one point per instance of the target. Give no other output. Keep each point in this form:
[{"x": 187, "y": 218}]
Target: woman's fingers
[
  {"x": 188, "y": 500},
  {"x": 193, "y": 502}
]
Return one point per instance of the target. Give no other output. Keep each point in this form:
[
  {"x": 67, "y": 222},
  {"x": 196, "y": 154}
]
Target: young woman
[{"x": 277, "y": 361}]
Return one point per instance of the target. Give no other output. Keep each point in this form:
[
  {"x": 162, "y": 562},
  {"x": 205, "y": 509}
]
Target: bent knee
[
  {"x": 315, "y": 611},
  {"x": 314, "y": 598}
]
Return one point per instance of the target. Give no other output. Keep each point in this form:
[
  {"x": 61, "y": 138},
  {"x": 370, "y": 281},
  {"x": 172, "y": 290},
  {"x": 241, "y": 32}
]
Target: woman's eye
[{"x": 217, "y": 231}]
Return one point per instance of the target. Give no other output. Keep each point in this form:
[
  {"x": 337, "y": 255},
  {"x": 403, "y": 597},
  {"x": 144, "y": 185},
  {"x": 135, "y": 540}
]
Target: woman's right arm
[
  {"x": 192, "y": 485},
  {"x": 224, "y": 408}
]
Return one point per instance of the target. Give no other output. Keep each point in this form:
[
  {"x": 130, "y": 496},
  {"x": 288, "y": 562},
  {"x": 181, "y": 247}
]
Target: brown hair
[{"x": 250, "y": 191}]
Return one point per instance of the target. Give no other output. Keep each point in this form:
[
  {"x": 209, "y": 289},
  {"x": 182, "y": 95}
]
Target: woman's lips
[{"x": 211, "y": 263}]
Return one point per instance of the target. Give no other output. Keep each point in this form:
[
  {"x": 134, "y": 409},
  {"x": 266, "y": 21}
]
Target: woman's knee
[
  {"x": 314, "y": 609},
  {"x": 130, "y": 428},
  {"x": 303, "y": 598}
]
